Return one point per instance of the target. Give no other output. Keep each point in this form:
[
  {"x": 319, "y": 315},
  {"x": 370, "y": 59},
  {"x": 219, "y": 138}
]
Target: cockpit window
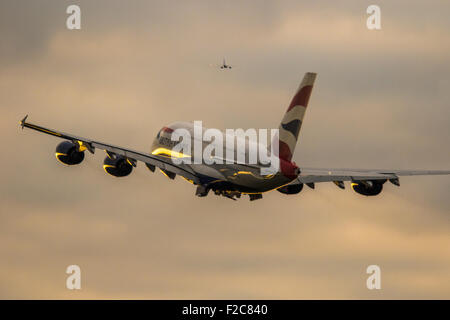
[{"x": 164, "y": 129}]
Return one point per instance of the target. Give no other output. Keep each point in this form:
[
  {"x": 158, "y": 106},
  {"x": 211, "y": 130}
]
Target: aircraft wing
[
  {"x": 311, "y": 175},
  {"x": 153, "y": 160}
]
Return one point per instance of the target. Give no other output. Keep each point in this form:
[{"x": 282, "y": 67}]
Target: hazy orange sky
[{"x": 382, "y": 99}]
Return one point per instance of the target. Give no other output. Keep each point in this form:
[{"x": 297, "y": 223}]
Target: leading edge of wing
[{"x": 132, "y": 154}]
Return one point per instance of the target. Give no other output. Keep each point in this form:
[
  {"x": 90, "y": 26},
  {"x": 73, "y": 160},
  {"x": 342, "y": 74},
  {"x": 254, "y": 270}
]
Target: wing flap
[
  {"x": 331, "y": 178},
  {"x": 309, "y": 175}
]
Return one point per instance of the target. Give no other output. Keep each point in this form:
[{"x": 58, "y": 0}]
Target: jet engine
[
  {"x": 117, "y": 166},
  {"x": 368, "y": 188},
  {"x": 291, "y": 188},
  {"x": 68, "y": 153}
]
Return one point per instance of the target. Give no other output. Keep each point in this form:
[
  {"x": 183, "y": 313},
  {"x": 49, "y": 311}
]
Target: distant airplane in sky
[
  {"x": 236, "y": 178},
  {"x": 224, "y": 65}
]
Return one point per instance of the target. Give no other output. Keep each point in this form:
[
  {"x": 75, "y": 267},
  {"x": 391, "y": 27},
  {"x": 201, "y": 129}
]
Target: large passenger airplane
[{"x": 231, "y": 179}]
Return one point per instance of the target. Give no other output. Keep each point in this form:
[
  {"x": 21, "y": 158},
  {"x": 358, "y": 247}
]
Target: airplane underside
[
  {"x": 227, "y": 190},
  {"x": 235, "y": 181}
]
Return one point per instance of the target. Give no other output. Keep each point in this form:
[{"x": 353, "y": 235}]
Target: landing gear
[
  {"x": 255, "y": 196},
  {"x": 224, "y": 189},
  {"x": 228, "y": 194},
  {"x": 202, "y": 191}
]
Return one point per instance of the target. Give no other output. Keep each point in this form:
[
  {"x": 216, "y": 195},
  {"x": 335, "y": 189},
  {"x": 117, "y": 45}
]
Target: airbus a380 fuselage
[{"x": 231, "y": 178}]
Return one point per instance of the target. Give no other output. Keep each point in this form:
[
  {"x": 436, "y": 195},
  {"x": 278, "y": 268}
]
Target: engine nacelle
[
  {"x": 368, "y": 188},
  {"x": 117, "y": 166},
  {"x": 291, "y": 188},
  {"x": 68, "y": 153}
]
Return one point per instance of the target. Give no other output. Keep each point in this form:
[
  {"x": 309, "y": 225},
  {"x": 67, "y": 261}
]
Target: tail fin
[{"x": 292, "y": 121}]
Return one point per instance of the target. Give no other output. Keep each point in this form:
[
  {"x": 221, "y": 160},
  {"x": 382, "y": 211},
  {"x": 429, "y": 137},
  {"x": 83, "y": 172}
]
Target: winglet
[{"x": 22, "y": 123}]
